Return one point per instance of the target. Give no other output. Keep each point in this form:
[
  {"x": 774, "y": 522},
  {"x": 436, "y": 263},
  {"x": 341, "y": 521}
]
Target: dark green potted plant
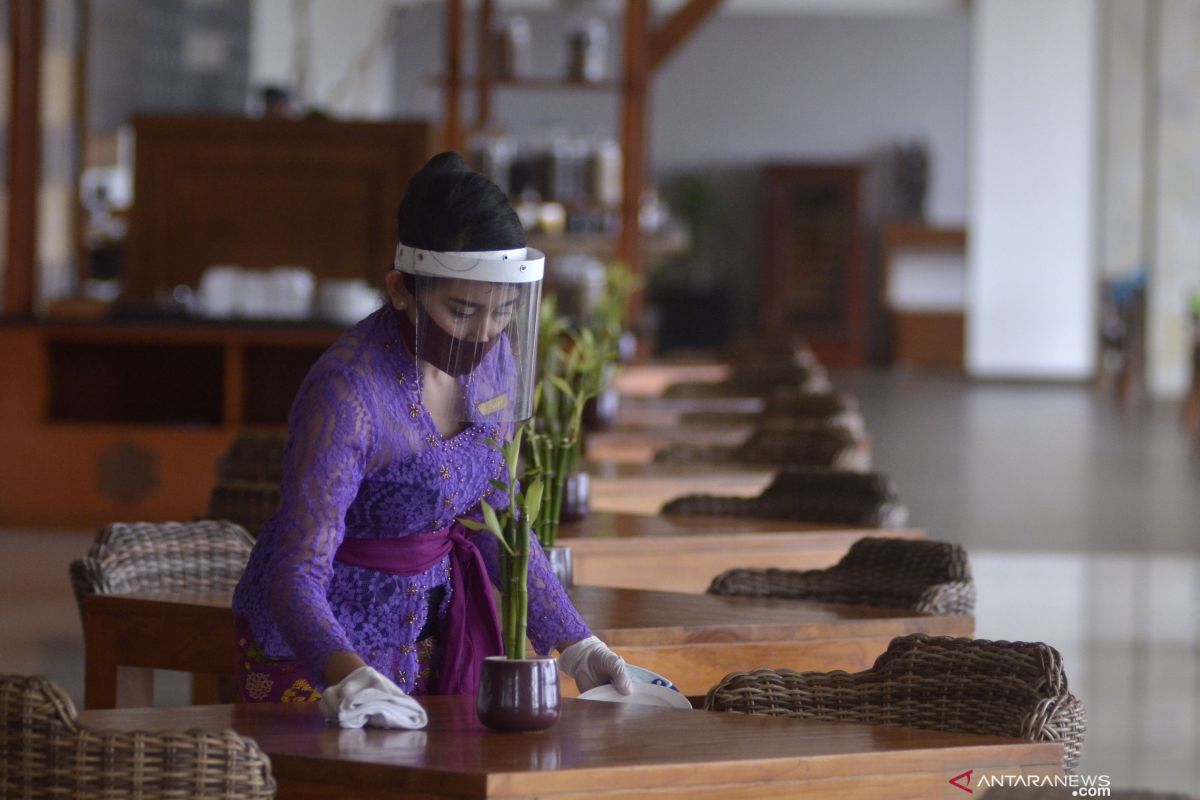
[
  {"x": 615, "y": 344},
  {"x": 516, "y": 692},
  {"x": 572, "y": 369}
]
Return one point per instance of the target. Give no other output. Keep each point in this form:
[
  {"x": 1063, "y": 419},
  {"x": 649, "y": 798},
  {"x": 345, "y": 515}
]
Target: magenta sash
[{"x": 471, "y": 630}]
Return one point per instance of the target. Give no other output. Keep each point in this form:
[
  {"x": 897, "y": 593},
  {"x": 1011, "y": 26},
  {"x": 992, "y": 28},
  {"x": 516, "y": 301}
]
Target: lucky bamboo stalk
[{"x": 511, "y": 527}]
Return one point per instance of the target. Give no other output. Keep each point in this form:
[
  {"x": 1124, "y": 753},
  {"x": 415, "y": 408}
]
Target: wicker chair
[
  {"x": 805, "y": 494},
  {"x": 1015, "y": 689},
  {"x": 248, "y": 475},
  {"x": 204, "y": 556},
  {"x": 930, "y": 577},
  {"x": 790, "y": 408},
  {"x": 45, "y": 753},
  {"x": 759, "y": 374},
  {"x": 813, "y": 446},
  {"x": 201, "y": 556}
]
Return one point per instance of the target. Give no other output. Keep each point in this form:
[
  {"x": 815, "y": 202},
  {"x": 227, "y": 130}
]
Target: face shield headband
[{"x": 439, "y": 347}]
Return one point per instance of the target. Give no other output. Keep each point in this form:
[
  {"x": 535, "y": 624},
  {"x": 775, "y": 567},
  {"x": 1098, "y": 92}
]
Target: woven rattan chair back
[
  {"x": 809, "y": 405},
  {"x": 807, "y": 494},
  {"x": 807, "y": 446},
  {"x": 253, "y": 457},
  {"x": 926, "y": 576},
  {"x": 248, "y": 475},
  {"x": 203, "y": 556},
  {"x": 1015, "y": 689},
  {"x": 46, "y": 753},
  {"x": 755, "y": 380}
]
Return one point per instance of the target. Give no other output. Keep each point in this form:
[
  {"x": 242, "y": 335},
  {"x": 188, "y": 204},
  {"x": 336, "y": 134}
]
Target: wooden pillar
[
  {"x": 24, "y": 155},
  {"x": 483, "y": 70},
  {"x": 452, "y": 136},
  {"x": 634, "y": 112},
  {"x": 80, "y": 103}
]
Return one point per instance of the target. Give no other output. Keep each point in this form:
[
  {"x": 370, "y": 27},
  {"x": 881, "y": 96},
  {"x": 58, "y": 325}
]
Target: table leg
[
  {"x": 107, "y": 684},
  {"x": 206, "y": 689}
]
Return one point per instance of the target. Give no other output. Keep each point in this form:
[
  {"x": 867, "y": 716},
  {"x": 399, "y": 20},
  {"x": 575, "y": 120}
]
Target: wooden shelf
[
  {"x": 125, "y": 421},
  {"x": 920, "y": 236},
  {"x": 603, "y": 245},
  {"x": 646, "y": 44},
  {"x": 922, "y": 338},
  {"x": 536, "y": 84}
]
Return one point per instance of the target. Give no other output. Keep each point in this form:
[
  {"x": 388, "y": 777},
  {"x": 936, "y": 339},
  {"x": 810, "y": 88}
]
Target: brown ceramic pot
[{"x": 518, "y": 695}]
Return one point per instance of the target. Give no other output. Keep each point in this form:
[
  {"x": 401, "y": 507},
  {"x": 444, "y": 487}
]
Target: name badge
[{"x": 495, "y": 404}]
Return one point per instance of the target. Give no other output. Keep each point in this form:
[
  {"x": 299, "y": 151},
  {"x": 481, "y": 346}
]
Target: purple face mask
[{"x": 448, "y": 353}]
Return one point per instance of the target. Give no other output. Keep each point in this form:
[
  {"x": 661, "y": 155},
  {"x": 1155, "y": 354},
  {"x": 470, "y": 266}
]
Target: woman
[{"x": 363, "y": 579}]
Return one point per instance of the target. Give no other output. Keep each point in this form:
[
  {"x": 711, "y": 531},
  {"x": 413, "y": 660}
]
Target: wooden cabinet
[
  {"x": 317, "y": 193},
  {"x": 814, "y": 282},
  {"x": 922, "y": 290},
  {"x": 125, "y": 422}
]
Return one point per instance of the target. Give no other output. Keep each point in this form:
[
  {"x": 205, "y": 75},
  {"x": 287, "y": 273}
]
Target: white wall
[
  {"x": 1031, "y": 283},
  {"x": 748, "y": 89},
  {"x": 744, "y": 89},
  {"x": 347, "y": 71}
]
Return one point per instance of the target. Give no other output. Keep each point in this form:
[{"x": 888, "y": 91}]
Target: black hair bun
[
  {"x": 448, "y": 161},
  {"x": 449, "y": 206}
]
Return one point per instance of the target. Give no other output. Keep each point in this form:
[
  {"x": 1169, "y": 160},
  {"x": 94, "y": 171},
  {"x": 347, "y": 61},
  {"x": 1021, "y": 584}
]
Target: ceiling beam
[{"x": 678, "y": 28}]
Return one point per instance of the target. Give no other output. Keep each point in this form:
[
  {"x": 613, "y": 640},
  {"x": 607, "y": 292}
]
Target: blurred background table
[
  {"x": 683, "y": 553},
  {"x": 693, "y": 639}
]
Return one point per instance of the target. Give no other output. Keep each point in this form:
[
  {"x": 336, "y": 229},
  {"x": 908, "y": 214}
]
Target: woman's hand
[
  {"x": 367, "y": 697},
  {"x": 592, "y": 664}
]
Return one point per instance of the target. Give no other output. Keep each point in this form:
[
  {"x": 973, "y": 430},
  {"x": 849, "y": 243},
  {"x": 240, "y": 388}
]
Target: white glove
[
  {"x": 592, "y": 664},
  {"x": 367, "y": 697}
]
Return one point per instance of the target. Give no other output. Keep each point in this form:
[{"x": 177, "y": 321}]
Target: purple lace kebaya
[{"x": 364, "y": 459}]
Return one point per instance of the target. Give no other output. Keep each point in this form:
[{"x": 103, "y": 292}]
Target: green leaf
[
  {"x": 489, "y": 516},
  {"x": 499, "y": 485},
  {"x": 533, "y": 500},
  {"x": 512, "y": 452},
  {"x": 474, "y": 525},
  {"x": 562, "y": 385}
]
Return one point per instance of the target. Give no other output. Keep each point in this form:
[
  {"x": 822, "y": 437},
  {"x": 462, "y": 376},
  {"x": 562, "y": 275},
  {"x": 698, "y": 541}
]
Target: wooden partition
[
  {"x": 107, "y": 422},
  {"x": 124, "y": 420},
  {"x": 262, "y": 193}
]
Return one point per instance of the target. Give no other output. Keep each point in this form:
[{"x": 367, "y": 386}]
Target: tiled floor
[{"x": 1083, "y": 524}]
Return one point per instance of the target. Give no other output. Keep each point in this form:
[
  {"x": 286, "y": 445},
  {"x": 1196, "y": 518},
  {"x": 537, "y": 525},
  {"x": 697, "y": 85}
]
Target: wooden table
[
  {"x": 644, "y": 488},
  {"x": 693, "y": 639},
  {"x": 647, "y": 412},
  {"x": 602, "y": 750},
  {"x": 683, "y": 553},
  {"x": 652, "y": 379},
  {"x": 638, "y": 445}
]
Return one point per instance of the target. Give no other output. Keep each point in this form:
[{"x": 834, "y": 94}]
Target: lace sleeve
[{"x": 330, "y": 435}]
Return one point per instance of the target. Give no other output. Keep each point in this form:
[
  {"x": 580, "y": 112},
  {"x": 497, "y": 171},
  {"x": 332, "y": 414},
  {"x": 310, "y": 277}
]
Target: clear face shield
[{"x": 474, "y": 316}]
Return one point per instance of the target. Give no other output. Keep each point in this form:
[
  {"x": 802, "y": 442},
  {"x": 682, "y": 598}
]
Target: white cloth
[
  {"x": 367, "y": 697},
  {"x": 592, "y": 664}
]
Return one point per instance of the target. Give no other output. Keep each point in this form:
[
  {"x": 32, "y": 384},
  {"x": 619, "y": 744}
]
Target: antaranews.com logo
[{"x": 1080, "y": 785}]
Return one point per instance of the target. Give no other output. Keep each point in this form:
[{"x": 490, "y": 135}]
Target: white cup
[{"x": 219, "y": 288}]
